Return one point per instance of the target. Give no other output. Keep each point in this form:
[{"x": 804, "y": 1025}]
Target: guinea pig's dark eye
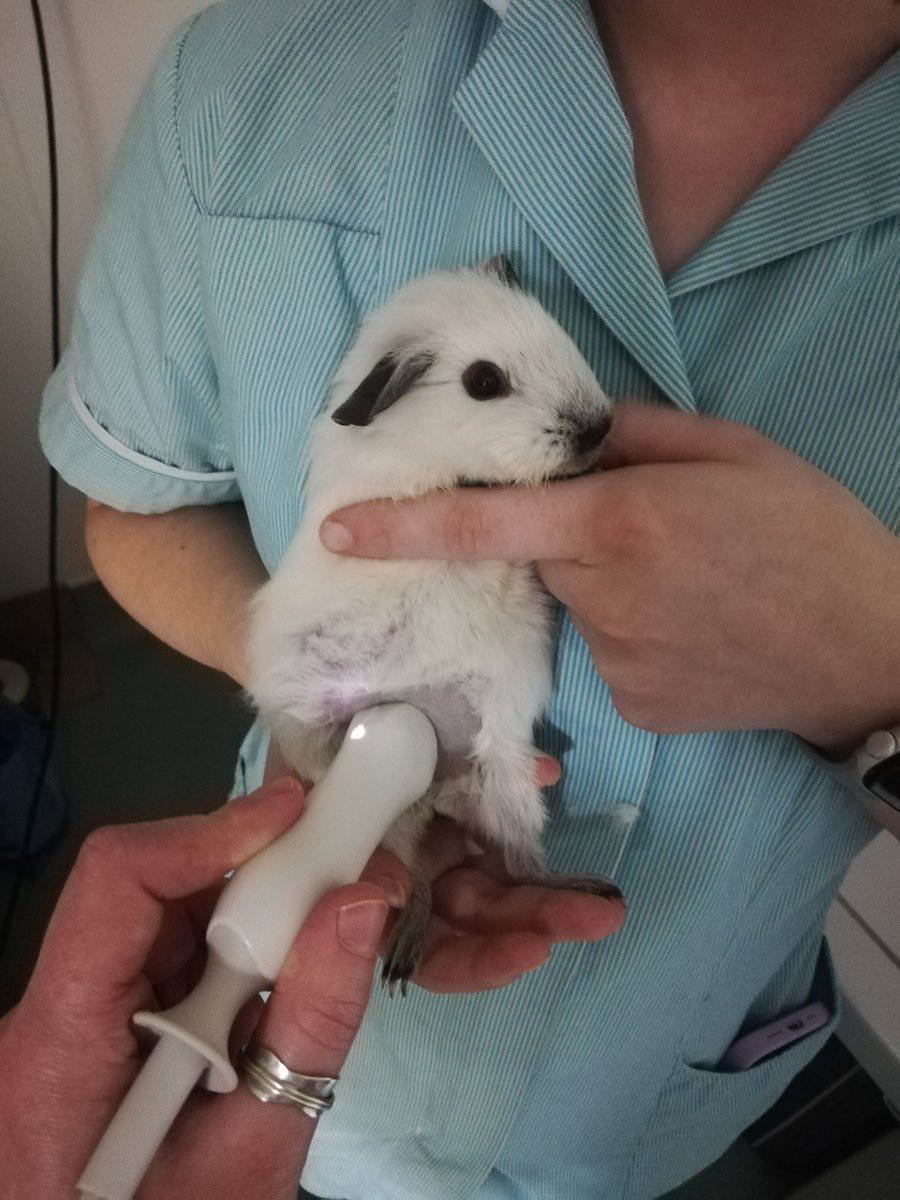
[{"x": 485, "y": 381}]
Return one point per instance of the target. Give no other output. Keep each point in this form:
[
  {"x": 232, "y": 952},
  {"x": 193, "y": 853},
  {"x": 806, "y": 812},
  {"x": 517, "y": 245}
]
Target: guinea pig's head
[{"x": 466, "y": 378}]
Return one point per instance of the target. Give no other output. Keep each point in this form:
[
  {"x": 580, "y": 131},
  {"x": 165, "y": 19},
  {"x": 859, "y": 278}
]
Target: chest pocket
[{"x": 285, "y": 299}]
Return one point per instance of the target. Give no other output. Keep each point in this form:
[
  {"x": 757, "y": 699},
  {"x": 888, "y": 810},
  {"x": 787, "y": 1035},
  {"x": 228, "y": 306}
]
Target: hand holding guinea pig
[
  {"x": 460, "y": 379},
  {"x": 719, "y": 581}
]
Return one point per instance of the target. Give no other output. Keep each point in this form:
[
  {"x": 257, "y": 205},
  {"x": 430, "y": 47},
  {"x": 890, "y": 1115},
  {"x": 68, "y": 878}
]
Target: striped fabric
[{"x": 291, "y": 163}]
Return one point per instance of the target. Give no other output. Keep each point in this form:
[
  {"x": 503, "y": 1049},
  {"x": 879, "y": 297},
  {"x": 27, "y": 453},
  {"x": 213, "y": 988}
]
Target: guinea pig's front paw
[
  {"x": 596, "y": 885},
  {"x": 525, "y": 864},
  {"x": 407, "y": 940}
]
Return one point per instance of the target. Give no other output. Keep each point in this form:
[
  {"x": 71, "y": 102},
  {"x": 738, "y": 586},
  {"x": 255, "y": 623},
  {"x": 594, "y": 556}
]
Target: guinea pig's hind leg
[{"x": 407, "y": 937}]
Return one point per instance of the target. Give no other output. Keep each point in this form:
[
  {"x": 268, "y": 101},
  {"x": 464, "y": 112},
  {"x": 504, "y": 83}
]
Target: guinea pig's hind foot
[{"x": 407, "y": 939}]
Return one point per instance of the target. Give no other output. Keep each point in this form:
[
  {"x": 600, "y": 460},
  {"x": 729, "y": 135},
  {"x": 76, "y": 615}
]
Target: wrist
[
  {"x": 839, "y": 744},
  {"x": 859, "y": 693},
  {"x": 37, "y": 1153},
  {"x": 860, "y": 703},
  {"x": 864, "y": 699}
]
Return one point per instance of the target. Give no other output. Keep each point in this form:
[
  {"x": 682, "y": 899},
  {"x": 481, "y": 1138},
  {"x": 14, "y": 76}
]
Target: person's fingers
[
  {"x": 477, "y": 963},
  {"x": 173, "y": 948},
  {"x": 547, "y": 771},
  {"x": 472, "y": 899},
  {"x": 504, "y": 523},
  {"x": 177, "y": 857},
  {"x": 388, "y": 873},
  {"x": 322, "y": 990},
  {"x": 111, "y": 910},
  {"x": 648, "y": 433},
  {"x": 557, "y": 521},
  {"x": 275, "y": 766}
]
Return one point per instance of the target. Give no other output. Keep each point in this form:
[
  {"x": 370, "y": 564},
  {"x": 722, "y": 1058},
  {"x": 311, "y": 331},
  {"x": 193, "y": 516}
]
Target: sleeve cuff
[{"x": 89, "y": 458}]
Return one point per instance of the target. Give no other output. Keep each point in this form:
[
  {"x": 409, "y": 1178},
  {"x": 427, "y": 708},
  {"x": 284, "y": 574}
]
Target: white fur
[{"x": 469, "y": 641}]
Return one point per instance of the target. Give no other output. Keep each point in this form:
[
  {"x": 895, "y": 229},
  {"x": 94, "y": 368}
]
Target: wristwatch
[{"x": 872, "y": 773}]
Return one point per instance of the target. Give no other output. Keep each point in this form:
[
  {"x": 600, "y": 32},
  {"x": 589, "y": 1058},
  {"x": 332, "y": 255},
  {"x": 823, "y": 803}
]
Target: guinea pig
[{"x": 461, "y": 378}]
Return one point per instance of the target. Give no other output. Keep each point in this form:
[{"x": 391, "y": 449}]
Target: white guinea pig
[{"x": 460, "y": 378}]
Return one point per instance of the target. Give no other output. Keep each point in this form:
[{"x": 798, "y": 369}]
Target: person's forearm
[{"x": 187, "y": 576}]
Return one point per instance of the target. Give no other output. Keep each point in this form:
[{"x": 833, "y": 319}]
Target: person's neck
[
  {"x": 718, "y": 92},
  {"x": 711, "y": 41}
]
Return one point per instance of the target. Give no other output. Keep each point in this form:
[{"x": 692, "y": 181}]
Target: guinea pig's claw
[
  {"x": 394, "y": 974},
  {"x": 404, "y": 949}
]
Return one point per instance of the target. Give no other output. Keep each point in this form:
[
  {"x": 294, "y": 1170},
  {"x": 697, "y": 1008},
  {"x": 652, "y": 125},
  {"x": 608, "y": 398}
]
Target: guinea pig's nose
[{"x": 590, "y": 437}]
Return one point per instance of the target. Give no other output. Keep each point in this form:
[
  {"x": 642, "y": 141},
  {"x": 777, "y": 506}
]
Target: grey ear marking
[
  {"x": 501, "y": 268},
  {"x": 390, "y": 378}
]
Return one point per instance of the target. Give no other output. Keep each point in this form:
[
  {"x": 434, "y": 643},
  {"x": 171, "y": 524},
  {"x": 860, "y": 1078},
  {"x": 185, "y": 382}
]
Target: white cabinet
[{"x": 864, "y": 933}]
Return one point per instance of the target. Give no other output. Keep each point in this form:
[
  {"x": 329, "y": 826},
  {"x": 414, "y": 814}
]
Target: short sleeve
[{"x": 131, "y": 415}]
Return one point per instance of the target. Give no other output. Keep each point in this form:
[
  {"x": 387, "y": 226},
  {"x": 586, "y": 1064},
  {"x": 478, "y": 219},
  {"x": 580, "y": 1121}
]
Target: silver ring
[{"x": 271, "y": 1081}]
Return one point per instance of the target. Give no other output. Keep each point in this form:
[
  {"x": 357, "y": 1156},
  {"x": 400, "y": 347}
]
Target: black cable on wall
[{"x": 53, "y": 519}]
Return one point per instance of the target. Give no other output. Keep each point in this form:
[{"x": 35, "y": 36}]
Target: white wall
[{"x": 100, "y": 53}]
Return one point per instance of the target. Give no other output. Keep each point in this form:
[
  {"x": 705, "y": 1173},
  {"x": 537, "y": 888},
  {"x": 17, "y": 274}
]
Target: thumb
[{"x": 649, "y": 433}]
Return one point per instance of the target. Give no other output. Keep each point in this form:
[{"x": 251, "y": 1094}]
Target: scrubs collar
[{"x": 541, "y": 104}]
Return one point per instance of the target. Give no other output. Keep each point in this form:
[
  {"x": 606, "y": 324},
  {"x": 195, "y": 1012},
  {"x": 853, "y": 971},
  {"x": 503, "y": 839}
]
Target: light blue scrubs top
[{"x": 291, "y": 163}]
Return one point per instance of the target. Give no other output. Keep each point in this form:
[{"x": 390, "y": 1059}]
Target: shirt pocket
[
  {"x": 284, "y": 299},
  {"x": 701, "y": 1110}
]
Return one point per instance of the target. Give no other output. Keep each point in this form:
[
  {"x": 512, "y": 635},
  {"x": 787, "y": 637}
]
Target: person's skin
[
  {"x": 717, "y": 93},
  {"x": 127, "y": 934},
  {"x": 159, "y": 569}
]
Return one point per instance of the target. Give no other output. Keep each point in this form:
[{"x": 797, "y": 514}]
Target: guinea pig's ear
[
  {"x": 501, "y": 268},
  {"x": 389, "y": 379}
]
